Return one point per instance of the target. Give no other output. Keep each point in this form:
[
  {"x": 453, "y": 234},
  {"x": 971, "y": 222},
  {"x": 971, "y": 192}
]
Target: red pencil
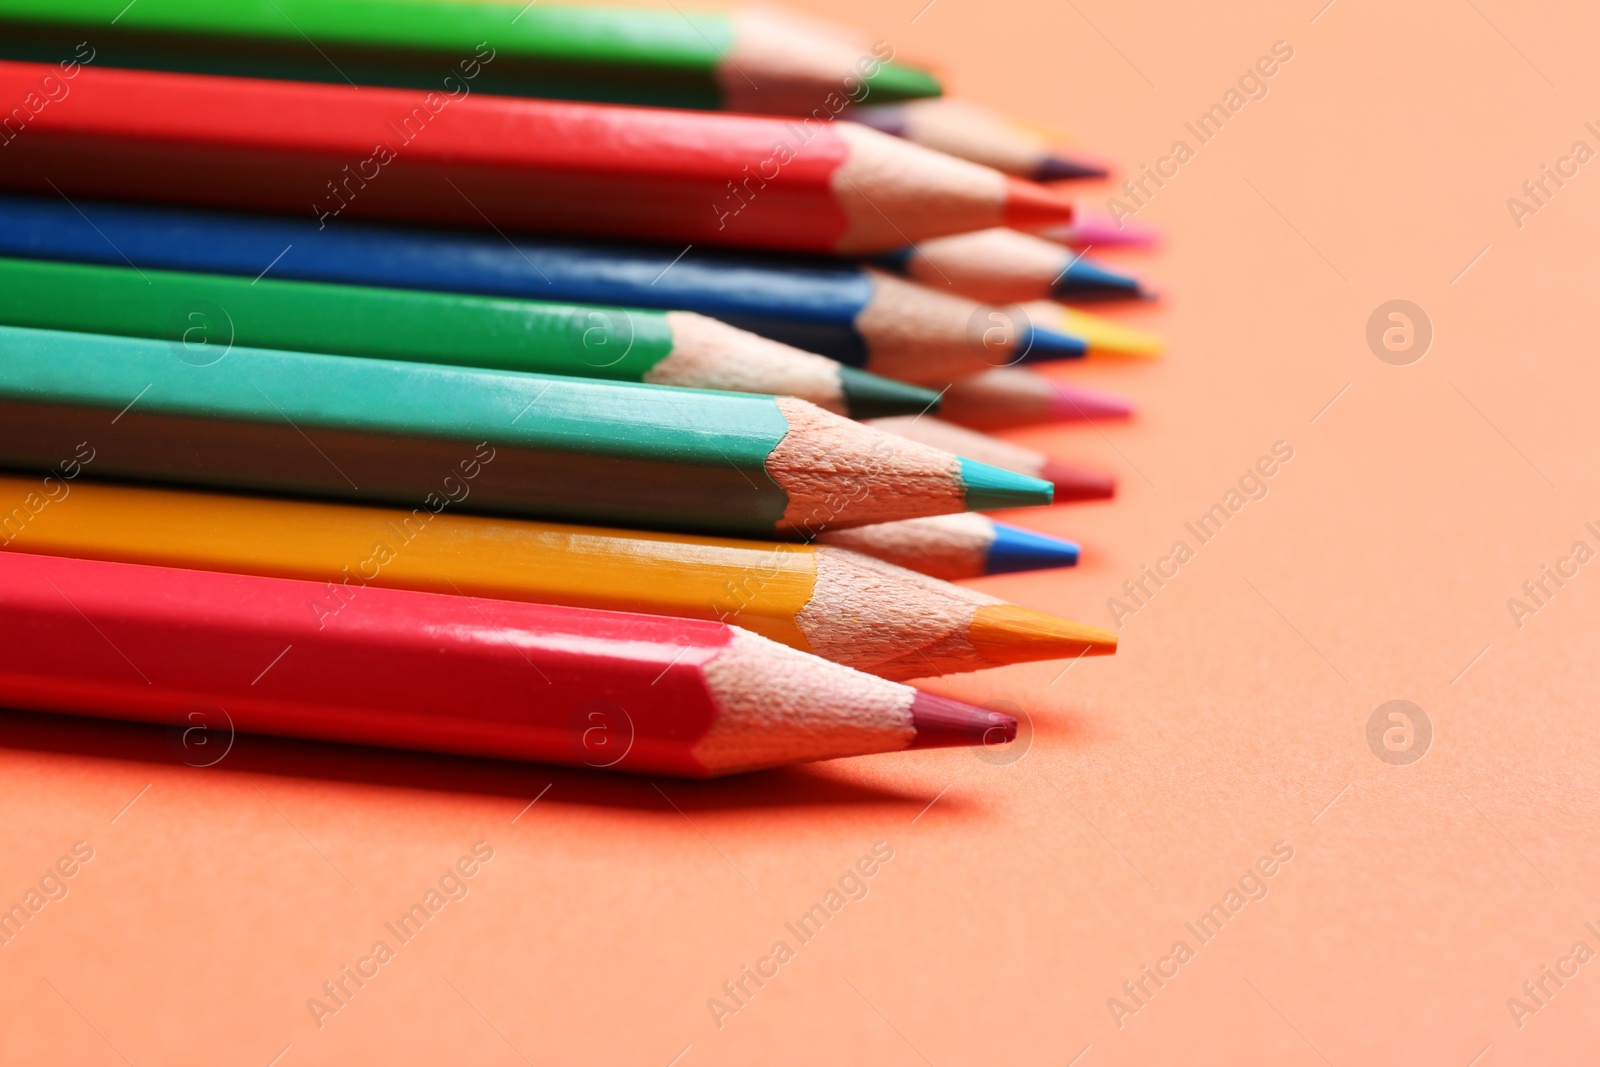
[
  {"x": 440, "y": 673},
  {"x": 468, "y": 159}
]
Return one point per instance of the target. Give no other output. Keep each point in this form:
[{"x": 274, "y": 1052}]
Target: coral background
[{"x": 1023, "y": 894}]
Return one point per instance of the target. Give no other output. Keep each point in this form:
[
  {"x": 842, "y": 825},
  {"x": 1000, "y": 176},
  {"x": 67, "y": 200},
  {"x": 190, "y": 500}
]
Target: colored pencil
[
  {"x": 860, "y": 317},
  {"x": 917, "y": 334},
  {"x": 1091, "y": 228},
  {"x": 335, "y": 153},
  {"x": 974, "y": 133},
  {"x": 1104, "y": 336},
  {"x": 1013, "y": 396},
  {"x": 752, "y": 60},
  {"x": 1002, "y": 267},
  {"x": 203, "y": 651},
  {"x": 829, "y": 601},
  {"x": 1071, "y": 483},
  {"x": 954, "y": 547},
  {"x": 663, "y": 348},
  {"x": 562, "y": 448}
]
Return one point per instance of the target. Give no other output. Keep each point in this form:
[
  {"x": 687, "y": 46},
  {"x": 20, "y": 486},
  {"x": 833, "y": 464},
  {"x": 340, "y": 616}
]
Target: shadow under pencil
[{"x": 802, "y": 786}]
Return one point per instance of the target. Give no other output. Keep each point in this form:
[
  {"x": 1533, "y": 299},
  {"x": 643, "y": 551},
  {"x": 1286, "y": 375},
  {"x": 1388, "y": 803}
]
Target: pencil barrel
[
  {"x": 206, "y": 314},
  {"x": 398, "y": 669},
  {"x": 334, "y": 153},
  {"x": 626, "y": 55},
  {"x": 420, "y": 435}
]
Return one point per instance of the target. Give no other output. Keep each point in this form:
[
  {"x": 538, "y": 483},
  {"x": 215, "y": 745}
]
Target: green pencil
[
  {"x": 746, "y": 61},
  {"x": 433, "y": 436},
  {"x": 205, "y": 313}
]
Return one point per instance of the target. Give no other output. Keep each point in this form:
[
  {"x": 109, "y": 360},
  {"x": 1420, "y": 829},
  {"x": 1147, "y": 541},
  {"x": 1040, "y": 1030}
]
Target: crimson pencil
[
  {"x": 462, "y": 158},
  {"x": 441, "y": 673}
]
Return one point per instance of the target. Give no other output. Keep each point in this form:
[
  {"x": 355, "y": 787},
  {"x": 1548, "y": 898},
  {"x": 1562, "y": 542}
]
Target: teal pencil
[{"x": 435, "y": 436}]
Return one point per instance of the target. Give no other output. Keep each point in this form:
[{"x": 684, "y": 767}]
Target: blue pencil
[
  {"x": 1003, "y": 266},
  {"x": 957, "y": 546},
  {"x": 858, "y": 315}
]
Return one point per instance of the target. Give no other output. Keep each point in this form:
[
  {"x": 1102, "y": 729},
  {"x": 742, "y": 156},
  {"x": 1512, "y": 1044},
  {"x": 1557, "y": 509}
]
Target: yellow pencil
[
  {"x": 843, "y": 606},
  {"x": 1104, "y": 336}
]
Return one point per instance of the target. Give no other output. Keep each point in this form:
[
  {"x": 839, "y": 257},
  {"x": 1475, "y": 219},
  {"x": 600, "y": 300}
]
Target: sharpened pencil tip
[
  {"x": 1040, "y": 344},
  {"x": 1065, "y": 169},
  {"x": 896, "y": 259},
  {"x": 894, "y": 82},
  {"x": 991, "y": 487},
  {"x": 1007, "y": 633},
  {"x": 1074, "y": 403},
  {"x": 1075, "y": 483},
  {"x": 1106, "y": 336},
  {"x": 1015, "y": 549},
  {"x": 869, "y": 396},
  {"x": 1030, "y": 206},
  {"x": 944, "y": 723},
  {"x": 1099, "y": 230},
  {"x": 1083, "y": 280}
]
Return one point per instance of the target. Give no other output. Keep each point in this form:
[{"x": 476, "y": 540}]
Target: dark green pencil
[
  {"x": 748, "y": 60},
  {"x": 207, "y": 312}
]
